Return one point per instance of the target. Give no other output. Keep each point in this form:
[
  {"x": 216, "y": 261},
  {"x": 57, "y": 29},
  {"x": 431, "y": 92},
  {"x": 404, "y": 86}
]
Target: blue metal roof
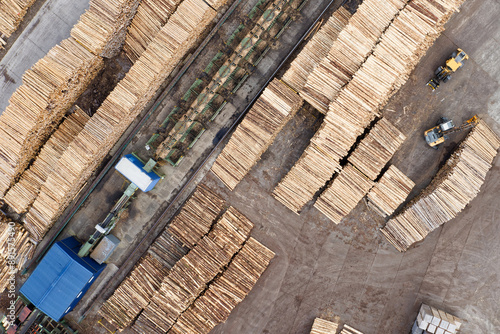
[{"x": 61, "y": 279}]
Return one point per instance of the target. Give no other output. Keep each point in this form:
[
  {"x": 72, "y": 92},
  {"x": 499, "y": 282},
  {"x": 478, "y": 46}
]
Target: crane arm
[{"x": 466, "y": 125}]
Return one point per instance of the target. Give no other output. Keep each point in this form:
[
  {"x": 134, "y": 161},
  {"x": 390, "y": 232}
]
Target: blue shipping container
[{"x": 61, "y": 279}]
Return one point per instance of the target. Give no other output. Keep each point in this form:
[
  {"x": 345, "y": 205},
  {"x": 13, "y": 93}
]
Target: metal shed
[
  {"x": 61, "y": 279},
  {"x": 135, "y": 171}
]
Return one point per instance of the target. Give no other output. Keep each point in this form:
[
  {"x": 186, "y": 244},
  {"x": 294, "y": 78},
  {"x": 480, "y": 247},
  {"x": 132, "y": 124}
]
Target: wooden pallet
[{"x": 321, "y": 326}]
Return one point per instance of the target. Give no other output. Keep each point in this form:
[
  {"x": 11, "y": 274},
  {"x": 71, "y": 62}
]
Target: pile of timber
[
  {"x": 321, "y": 326},
  {"x": 118, "y": 111},
  {"x": 390, "y": 191},
  {"x": 354, "y": 43},
  {"x": 272, "y": 110},
  {"x": 150, "y": 17},
  {"x": 226, "y": 291},
  {"x": 102, "y": 28},
  {"x": 315, "y": 50},
  {"x": 11, "y": 14},
  {"x": 432, "y": 320},
  {"x": 377, "y": 148},
  {"x": 191, "y": 274},
  {"x": 191, "y": 223},
  {"x": 455, "y": 185},
  {"x": 49, "y": 89},
  {"x": 400, "y": 48},
  {"x": 24, "y": 192},
  {"x": 345, "y": 192},
  {"x": 349, "y": 330}
]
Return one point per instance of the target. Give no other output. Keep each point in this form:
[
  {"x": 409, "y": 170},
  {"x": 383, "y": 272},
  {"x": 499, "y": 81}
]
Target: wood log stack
[
  {"x": 455, "y": 185},
  {"x": 315, "y": 50},
  {"x": 102, "y": 28},
  {"x": 354, "y": 43},
  {"x": 321, "y": 326},
  {"x": 272, "y": 110},
  {"x": 226, "y": 291},
  {"x": 390, "y": 191},
  {"x": 190, "y": 275},
  {"x": 345, "y": 192},
  {"x": 49, "y": 89},
  {"x": 377, "y": 148},
  {"x": 12, "y": 13},
  {"x": 192, "y": 223},
  {"x": 24, "y": 192},
  {"x": 400, "y": 48},
  {"x": 151, "y": 16},
  {"x": 118, "y": 111}
]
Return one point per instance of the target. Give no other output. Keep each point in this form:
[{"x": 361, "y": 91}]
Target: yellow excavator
[
  {"x": 438, "y": 134},
  {"x": 443, "y": 73}
]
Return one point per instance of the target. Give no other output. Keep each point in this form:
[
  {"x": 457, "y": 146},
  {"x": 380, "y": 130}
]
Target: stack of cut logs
[
  {"x": 390, "y": 191},
  {"x": 455, "y": 185},
  {"x": 11, "y": 14},
  {"x": 345, "y": 192},
  {"x": 321, "y": 326},
  {"x": 49, "y": 89},
  {"x": 190, "y": 225},
  {"x": 102, "y": 28},
  {"x": 24, "y": 192},
  {"x": 226, "y": 291},
  {"x": 357, "y": 104},
  {"x": 191, "y": 274},
  {"x": 315, "y": 50},
  {"x": 272, "y": 110},
  {"x": 151, "y": 16}
]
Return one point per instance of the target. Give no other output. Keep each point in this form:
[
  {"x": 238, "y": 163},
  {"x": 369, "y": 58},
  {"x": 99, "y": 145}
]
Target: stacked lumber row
[
  {"x": 191, "y": 223},
  {"x": 150, "y": 17},
  {"x": 377, "y": 148},
  {"x": 455, "y": 185},
  {"x": 102, "y": 28},
  {"x": 11, "y": 14},
  {"x": 345, "y": 192},
  {"x": 321, "y": 326},
  {"x": 49, "y": 89},
  {"x": 390, "y": 191},
  {"x": 315, "y": 50},
  {"x": 354, "y": 43},
  {"x": 226, "y": 291},
  {"x": 190, "y": 276},
  {"x": 349, "y": 330},
  {"x": 399, "y": 50},
  {"x": 436, "y": 321},
  {"x": 24, "y": 192},
  {"x": 272, "y": 110},
  {"x": 118, "y": 111}
]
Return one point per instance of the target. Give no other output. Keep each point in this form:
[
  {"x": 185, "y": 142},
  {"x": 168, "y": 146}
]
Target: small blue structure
[
  {"x": 134, "y": 170},
  {"x": 61, "y": 279}
]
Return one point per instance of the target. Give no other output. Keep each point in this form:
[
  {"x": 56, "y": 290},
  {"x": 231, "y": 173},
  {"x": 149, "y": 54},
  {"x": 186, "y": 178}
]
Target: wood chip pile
[
  {"x": 354, "y": 43},
  {"x": 150, "y": 17},
  {"x": 455, "y": 185},
  {"x": 11, "y": 14},
  {"x": 377, "y": 148},
  {"x": 226, "y": 291},
  {"x": 272, "y": 110},
  {"x": 24, "y": 192},
  {"x": 315, "y": 50},
  {"x": 390, "y": 191},
  {"x": 49, "y": 89},
  {"x": 118, "y": 111},
  {"x": 191, "y": 274},
  {"x": 134, "y": 293},
  {"x": 400, "y": 48},
  {"x": 345, "y": 192},
  {"x": 321, "y": 326},
  {"x": 102, "y": 28}
]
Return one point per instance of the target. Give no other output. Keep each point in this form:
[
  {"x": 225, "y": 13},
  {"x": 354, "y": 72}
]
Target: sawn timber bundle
[
  {"x": 456, "y": 185},
  {"x": 390, "y": 191},
  {"x": 272, "y": 110},
  {"x": 11, "y": 14},
  {"x": 321, "y": 326}
]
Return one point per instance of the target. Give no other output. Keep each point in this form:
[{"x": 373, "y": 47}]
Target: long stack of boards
[
  {"x": 407, "y": 34},
  {"x": 272, "y": 110},
  {"x": 321, "y": 326},
  {"x": 457, "y": 183},
  {"x": 432, "y": 320},
  {"x": 11, "y": 14}
]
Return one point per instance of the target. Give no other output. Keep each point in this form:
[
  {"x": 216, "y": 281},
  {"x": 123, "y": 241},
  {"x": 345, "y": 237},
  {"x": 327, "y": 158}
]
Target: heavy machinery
[
  {"x": 443, "y": 73},
  {"x": 438, "y": 134}
]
